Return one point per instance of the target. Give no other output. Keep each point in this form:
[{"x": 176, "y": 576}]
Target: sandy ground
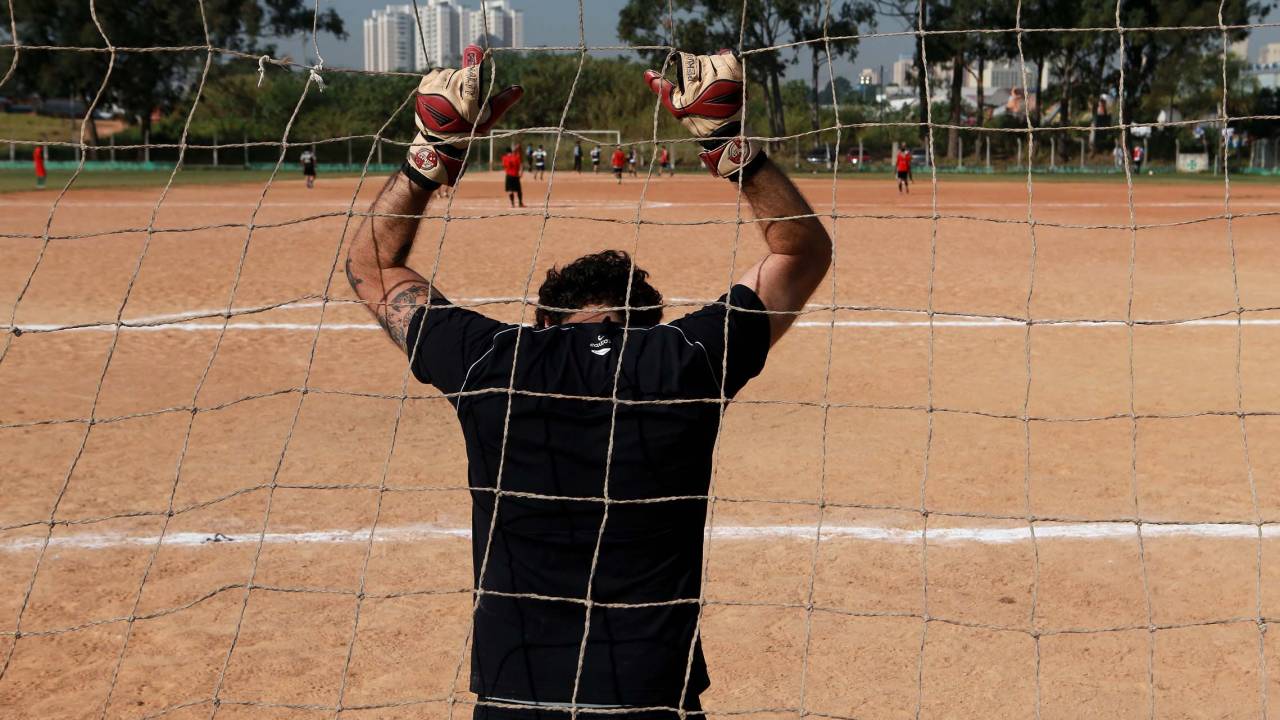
[{"x": 983, "y": 618}]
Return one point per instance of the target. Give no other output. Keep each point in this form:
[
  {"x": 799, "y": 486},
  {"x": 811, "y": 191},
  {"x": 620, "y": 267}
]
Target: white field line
[
  {"x": 179, "y": 321},
  {"x": 320, "y": 206},
  {"x": 864, "y": 533},
  {"x": 206, "y": 326},
  {"x": 649, "y": 204}
]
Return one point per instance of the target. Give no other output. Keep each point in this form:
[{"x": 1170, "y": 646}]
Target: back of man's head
[{"x": 599, "y": 280}]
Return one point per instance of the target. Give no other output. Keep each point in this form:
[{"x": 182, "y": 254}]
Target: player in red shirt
[
  {"x": 513, "y": 166},
  {"x": 904, "y": 170},
  {"x": 618, "y": 162},
  {"x": 37, "y": 158},
  {"x": 664, "y": 162}
]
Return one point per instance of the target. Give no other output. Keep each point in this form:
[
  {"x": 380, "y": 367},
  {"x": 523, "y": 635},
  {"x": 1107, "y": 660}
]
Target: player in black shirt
[{"x": 581, "y": 602}]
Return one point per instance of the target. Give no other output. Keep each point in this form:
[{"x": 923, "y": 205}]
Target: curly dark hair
[{"x": 599, "y": 279}]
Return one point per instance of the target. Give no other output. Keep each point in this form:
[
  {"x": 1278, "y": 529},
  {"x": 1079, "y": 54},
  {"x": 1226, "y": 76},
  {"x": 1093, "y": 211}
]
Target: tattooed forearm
[
  {"x": 399, "y": 311},
  {"x": 352, "y": 277},
  {"x": 377, "y": 261}
]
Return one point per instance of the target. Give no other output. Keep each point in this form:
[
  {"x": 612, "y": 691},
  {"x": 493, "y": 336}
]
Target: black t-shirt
[{"x": 525, "y": 648}]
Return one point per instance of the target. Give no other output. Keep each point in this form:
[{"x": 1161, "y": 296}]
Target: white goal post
[{"x": 501, "y": 137}]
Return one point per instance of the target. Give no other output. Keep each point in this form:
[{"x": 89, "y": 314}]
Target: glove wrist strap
[
  {"x": 726, "y": 159},
  {"x": 752, "y": 166},
  {"x": 433, "y": 161},
  {"x": 418, "y": 178}
]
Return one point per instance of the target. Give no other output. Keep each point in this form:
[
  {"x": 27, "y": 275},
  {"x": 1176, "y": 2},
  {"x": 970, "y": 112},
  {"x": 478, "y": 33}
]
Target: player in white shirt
[{"x": 539, "y": 163}]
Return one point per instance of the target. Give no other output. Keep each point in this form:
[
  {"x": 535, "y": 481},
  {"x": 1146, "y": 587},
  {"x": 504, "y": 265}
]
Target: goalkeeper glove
[
  {"x": 448, "y": 108},
  {"x": 707, "y": 99}
]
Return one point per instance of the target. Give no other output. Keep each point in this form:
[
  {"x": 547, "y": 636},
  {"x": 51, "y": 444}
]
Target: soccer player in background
[
  {"x": 308, "y": 161},
  {"x": 631, "y": 161},
  {"x": 37, "y": 160},
  {"x": 1139, "y": 154},
  {"x": 539, "y": 163},
  {"x": 577, "y": 157},
  {"x": 595, "y": 159},
  {"x": 512, "y": 168},
  {"x": 618, "y": 162},
  {"x": 664, "y": 162},
  {"x": 903, "y": 166},
  {"x": 549, "y": 542}
]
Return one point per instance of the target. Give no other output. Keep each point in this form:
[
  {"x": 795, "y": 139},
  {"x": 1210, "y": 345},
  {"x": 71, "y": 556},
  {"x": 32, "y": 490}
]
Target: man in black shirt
[{"x": 589, "y": 436}]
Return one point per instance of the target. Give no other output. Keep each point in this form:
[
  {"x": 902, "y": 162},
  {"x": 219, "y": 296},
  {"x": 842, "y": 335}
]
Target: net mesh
[{"x": 1255, "y": 526}]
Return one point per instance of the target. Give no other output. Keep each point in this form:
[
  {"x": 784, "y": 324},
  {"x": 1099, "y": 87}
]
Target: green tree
[
  {"x": 914, "y": 14},
  {"x": 141, "y": 82},
  {"x": 706, "y": 25},
  {"x": 1147, "y": 51},
  {"x": 845, "y": 92},
  {"x": 956, "y": 15},
  {"x": 813, "y": 21}
]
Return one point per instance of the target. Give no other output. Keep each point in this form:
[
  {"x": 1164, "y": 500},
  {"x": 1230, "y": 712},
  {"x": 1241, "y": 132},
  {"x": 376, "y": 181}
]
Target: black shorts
[
  {"x": 309, "y": 170},
  {"x": 617, "y": 171},
  {"x": 540, "y": 167},
  {"x": 513, "y": 184},
  {"x": 904, "y": 174}
]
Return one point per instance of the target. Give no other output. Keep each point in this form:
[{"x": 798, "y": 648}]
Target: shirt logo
[{"x": 601, "y": 346}]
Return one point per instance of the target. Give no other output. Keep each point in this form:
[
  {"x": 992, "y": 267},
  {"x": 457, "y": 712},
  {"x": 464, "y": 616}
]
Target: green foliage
[
  {"x": 846, "y": 93},
  {"x": 608, "y": 93},
  {"x": 706, "y": 25},
  {"x": 142, "y": 81}
]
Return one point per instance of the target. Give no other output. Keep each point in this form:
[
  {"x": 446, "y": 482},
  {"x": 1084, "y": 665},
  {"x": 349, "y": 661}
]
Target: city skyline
[
  {"x": 393, "y": 39},
  {"x": 554, "y": 23}
]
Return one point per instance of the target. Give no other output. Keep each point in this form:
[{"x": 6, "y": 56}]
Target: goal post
[{"x": 502, "y": 137}]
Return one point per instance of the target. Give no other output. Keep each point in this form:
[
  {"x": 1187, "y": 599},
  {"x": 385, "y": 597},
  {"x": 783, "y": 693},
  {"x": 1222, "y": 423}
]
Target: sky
[{"x": 555, "y": 23}]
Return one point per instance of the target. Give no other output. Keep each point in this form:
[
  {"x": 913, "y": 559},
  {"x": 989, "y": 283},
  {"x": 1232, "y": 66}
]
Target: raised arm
[
  {"x": 376, "y": 267},
  {"x": 799, "y": 247},
  {"x": 449, "y": 110},
  {"x": 707, "y": 99}
]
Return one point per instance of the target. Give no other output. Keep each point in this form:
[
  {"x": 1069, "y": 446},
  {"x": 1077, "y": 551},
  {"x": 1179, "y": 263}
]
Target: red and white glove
[
  {"x": 448, "y": 110},
  {"x": 707, "y": 99}
]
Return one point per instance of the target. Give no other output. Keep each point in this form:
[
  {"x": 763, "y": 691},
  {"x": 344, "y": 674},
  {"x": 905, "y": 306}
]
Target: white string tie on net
[
  {"x": 262, "y": 68},
  {"x": 315, "y": 75}
]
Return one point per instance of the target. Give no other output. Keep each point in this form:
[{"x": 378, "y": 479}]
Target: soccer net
[{"x": 1049, "y": 552}]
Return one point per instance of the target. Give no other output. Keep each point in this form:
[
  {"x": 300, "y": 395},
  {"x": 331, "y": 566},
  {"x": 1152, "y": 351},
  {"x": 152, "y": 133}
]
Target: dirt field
[{"x": 931, "y": 586}]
